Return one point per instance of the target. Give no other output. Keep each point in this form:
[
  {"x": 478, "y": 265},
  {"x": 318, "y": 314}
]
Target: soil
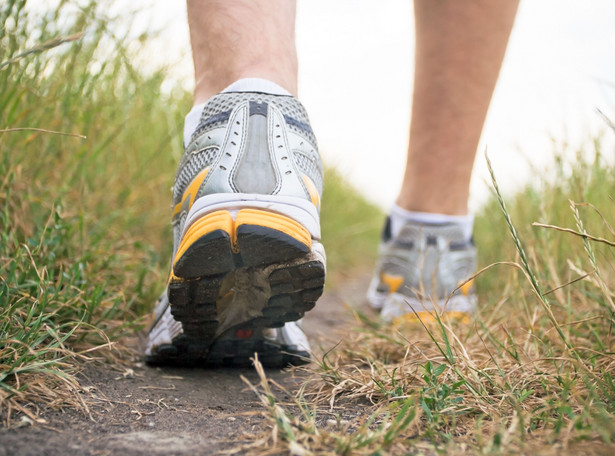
[{"x": 177, "y": 411}]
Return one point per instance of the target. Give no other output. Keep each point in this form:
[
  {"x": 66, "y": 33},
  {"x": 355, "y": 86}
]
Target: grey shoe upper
[
  {"x": 249, "y": 151},
  {"x": 423, "y": 263},
  {"x": 250, "y": 143}
]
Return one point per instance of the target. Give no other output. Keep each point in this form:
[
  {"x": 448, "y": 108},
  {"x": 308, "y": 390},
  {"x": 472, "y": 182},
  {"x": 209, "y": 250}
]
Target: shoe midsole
[
  {"x": 396, "y": 304},
  {"x": 298, "y": 209}
]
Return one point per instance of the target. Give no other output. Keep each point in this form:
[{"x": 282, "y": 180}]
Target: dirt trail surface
[{"x": 175, "y": 411}]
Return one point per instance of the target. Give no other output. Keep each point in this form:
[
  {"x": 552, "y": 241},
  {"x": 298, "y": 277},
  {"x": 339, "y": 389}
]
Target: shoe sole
[
  {"x": 230, "y": 350},
  {"x": 398, "y": 308},
  {"x": 235, "y": 273}
]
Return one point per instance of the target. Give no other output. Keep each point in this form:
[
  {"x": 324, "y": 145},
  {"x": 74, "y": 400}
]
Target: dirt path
[{"x": 174, "y": 411}]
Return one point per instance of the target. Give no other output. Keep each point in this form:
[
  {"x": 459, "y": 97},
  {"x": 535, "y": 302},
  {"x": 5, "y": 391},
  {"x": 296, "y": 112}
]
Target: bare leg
[
  {"x": 235, "y": 39},
  {"x": 459, "y": 49},
  {"x": 245, "y": 203}
]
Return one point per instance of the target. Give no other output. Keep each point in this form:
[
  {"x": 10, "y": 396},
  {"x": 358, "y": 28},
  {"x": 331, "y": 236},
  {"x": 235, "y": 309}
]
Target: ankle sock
[
  {"x": 242, "y": 85},
  {"x": 399, "y": 217},
  {"x": 257, "y": 85}
]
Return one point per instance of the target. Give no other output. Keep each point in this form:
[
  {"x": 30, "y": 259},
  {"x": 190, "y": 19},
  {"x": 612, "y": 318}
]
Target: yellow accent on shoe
[
  {"x": 466, "y": 287},
  {"x": 218, "y": 220},
  {"x": 274, "y": 221},
  {"x": 174, "y": 278},
  {"x": 312, "y": 190},
  {"x": 429, "y": 318},
  {"x": 191, "y": 191},
  {"x": 394, "y": 282},
  {"x": 223, "y": 220}
]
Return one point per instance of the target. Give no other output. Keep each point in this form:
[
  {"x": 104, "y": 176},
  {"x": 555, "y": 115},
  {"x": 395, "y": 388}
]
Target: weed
[{"x": 436, "y": 397}]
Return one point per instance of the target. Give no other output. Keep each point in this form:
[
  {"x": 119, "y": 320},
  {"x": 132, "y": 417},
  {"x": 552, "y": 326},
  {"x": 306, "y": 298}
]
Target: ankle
[{"x": 242, "y": 85}]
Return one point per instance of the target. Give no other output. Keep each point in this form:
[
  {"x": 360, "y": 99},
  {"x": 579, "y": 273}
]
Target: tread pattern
[{"x": 291, "y": 279}]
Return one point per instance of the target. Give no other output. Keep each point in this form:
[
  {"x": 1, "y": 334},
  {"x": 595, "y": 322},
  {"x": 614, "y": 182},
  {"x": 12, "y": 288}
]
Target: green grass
[
  {"x": 82, "y": 208},
  {"x": 350, "y": 228},
  {"x": 88, "y": 149}
]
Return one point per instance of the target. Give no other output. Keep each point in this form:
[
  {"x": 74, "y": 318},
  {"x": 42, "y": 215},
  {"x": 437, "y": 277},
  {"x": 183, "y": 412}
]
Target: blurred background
[{"x": 356, "y": 56}]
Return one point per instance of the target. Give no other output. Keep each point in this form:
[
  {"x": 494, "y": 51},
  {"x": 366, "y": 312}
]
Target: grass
[
  {"x": 77, "y": 192},
  {"x": 350, "y": 228},
  {"x": 88, "y": 149},
  {"x": 87, "y": 152},
  {"x": 533, "y": 373}
]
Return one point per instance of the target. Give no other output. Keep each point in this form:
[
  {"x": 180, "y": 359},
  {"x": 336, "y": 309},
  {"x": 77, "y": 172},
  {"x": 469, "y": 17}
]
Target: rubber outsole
[
  {"x": 227, "y": 352},
  {"x": 258, "y": 274}
]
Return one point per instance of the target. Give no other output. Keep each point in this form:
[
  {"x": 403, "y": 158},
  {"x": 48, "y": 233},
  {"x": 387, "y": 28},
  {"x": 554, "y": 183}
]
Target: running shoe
[
  {"x": 422, "y": 270},
  {"x": 247, "y": 259}
]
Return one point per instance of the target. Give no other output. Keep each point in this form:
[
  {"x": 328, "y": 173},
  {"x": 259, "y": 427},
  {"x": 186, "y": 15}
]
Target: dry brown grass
[{"x": 531, "y": 374}]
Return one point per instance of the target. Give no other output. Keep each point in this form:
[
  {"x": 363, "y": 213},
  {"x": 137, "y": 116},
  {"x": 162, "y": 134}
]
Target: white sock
[
  {"x": 192, "y": 121},
  {"x": 243, "y": 85},
  {"x": 400, "y": 216},
  {"x": 257, "y": 85}
]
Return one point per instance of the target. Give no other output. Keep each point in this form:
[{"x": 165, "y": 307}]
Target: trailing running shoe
[
  {"x": 423, "y": 269},
  {"x": 247, "y": 259}
]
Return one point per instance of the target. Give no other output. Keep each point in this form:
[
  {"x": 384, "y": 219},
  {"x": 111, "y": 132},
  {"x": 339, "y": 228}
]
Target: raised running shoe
[
  {"x": 423, "y": 269},
  {"x": 247, "y": 259}
]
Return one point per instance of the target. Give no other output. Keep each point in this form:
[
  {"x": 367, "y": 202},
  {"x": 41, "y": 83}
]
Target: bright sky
[{"x": 356, "y": 59}]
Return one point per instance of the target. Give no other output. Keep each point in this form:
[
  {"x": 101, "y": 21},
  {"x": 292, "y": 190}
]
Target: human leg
[
  {"x": 459, "y": 51},
  {"x": 247, "y": 258},
  {"x": 427, "y": 249},
  {"x": 237, "y": 39}
]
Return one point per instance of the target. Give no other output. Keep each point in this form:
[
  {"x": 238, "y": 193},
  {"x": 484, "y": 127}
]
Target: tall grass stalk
[{"x": 526, "y": 265}]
